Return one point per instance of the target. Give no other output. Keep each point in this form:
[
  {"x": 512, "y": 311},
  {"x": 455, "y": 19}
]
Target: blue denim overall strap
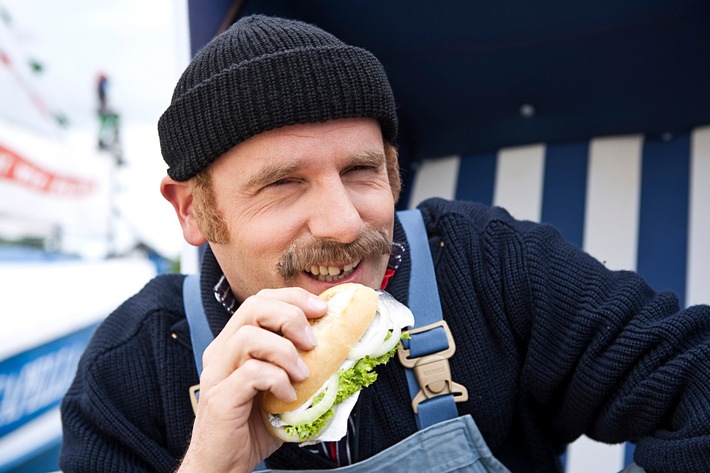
[
  {"x": 455, "y": 445},
  {"x": 200, "y": 333},
  {"x": 426, "y": 307}
]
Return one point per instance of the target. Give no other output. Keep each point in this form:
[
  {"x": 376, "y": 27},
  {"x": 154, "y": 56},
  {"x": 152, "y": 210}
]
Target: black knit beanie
[{"x": 264, "y": 73}]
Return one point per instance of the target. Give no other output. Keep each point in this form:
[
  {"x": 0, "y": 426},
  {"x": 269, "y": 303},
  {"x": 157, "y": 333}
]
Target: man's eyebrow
[
  {"x": 271, "y": 173},
  {"x": 368, "y": 158}
]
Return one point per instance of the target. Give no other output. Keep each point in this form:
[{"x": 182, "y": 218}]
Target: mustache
[{"x": 304, "y": 254}]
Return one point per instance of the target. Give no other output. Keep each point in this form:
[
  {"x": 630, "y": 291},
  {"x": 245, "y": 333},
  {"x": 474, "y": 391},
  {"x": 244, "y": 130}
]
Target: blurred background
[
  {"x": 82, "y": 222},
  {"x": 592, "y": 117}
]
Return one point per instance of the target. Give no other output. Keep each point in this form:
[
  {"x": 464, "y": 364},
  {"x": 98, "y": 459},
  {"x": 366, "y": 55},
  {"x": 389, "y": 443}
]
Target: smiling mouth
[{"x": 331, "y": 273}]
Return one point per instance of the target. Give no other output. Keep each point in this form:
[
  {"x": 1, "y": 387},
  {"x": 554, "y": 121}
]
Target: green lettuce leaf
[
  {"x": 360, "y": 375},
  {"x": 307, "y": 431}
]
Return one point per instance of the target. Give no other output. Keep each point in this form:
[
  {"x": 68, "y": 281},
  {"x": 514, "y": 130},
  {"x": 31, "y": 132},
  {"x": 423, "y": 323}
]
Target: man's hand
[{"x": 256, "y": 351}]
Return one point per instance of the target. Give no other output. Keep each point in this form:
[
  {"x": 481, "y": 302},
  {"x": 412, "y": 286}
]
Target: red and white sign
[
  {"x": 53, "y": 185},
  {"x": 26, "y": 173}
]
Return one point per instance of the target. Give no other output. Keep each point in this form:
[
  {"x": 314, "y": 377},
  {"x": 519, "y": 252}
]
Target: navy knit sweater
[{"x": 550, "y": 345}]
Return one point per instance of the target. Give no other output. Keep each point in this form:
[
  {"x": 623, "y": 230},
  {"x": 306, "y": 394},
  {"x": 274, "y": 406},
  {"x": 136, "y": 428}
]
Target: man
[{"x": 280, "y": 146}]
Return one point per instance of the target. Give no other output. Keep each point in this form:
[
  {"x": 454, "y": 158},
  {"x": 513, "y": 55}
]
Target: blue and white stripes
[{"x": 632, "y": 202}]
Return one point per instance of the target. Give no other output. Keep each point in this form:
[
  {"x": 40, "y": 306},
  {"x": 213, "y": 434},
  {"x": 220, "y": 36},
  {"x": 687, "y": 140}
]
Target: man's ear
[{"x": 179, "y": 194}]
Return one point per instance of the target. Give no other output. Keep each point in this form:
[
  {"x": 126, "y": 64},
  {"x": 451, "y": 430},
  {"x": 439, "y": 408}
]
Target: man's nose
[{"x": 334, "y": 214}]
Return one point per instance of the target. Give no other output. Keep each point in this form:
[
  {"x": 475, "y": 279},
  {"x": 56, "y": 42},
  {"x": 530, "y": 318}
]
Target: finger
[
  {"x": 266, "y": 377},
  {"x": 311, "y": 305},
  {"x": 248, "y": 343},
  {"x": 283, "y": 317},
  {"x": 282, "y": 314},
  {"x": 238, "y": 390}
]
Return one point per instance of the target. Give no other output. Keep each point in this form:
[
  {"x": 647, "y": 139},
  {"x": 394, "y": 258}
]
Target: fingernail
[
  {"x": 317, "y": 303},
  {"x": 310, "y": 336},
  {"x": 291, "y": 395},
  {"x": 302, "y": 367}
]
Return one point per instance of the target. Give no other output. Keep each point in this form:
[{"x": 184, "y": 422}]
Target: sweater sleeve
[
  {"x": 109, "y": 420},
  {"x": 613, "y": 359},
  {"x": 116, "y": 416},
  {"x": 102, "y": 439}
]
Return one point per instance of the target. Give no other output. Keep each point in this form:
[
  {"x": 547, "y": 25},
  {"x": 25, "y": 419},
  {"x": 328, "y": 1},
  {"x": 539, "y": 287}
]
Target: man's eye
[
  {"x": 360, "y": 168},
  {"x": 280, "y": 182}
]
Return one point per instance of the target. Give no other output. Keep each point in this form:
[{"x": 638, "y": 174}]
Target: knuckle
[
  {"x": 208, "y": 354},
  {"x": 250, "y": 303},
  {"x": 250, "y": 368}
]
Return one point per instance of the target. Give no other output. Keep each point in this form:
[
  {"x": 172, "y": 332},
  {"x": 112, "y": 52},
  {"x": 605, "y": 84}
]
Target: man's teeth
[{"x": 332, "y": 273}]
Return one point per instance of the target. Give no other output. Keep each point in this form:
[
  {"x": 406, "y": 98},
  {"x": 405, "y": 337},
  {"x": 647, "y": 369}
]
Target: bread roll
[{"x": 351, "y": 309}]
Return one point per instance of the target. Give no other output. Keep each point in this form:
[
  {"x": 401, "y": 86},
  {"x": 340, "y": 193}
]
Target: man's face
[{"x": 305, "y": 199}]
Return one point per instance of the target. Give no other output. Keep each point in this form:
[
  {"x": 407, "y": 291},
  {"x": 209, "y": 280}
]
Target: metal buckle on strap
[
  {"x": 432, "y": 371},
  {"x": 194, "y": 396}
]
